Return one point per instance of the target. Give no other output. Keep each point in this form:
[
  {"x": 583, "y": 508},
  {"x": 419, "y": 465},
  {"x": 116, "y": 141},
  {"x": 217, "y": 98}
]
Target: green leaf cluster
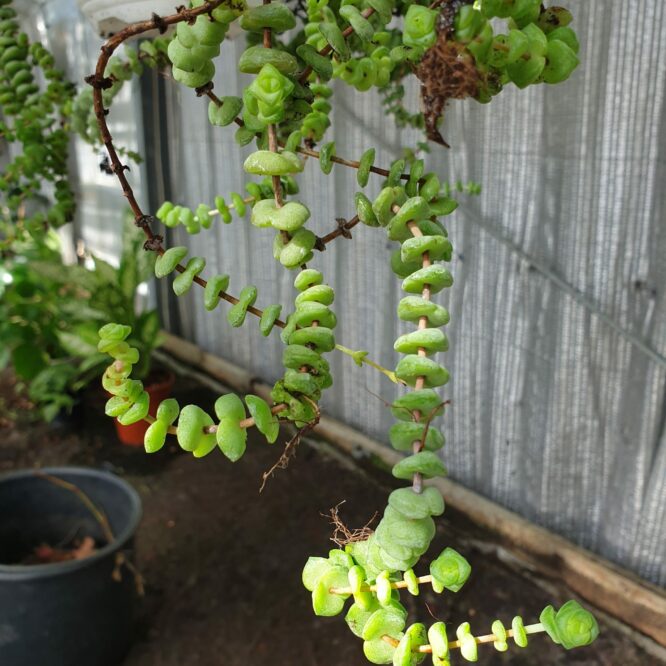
[{"x": 50, "y": 312}]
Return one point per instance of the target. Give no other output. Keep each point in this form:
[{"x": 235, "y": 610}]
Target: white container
[{"x": 110, "y": 16}]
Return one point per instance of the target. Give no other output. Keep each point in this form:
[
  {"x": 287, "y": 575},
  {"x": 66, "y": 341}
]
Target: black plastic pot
[{"x": 72, "y": 613}]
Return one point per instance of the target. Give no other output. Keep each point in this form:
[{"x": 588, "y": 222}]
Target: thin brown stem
[
  {"x": 290, "y": 447},
  {"x": 342, "y": 230},
  {"x": 99, "y": 83},
  {"x": 154, "y": 242},
  {"x": 352, "y": 163}
]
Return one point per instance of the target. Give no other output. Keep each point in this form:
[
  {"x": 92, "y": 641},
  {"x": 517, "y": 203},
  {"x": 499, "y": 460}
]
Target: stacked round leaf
[
  {"x": 193, "y": 221},
  {"x": 539, "y": 47},
  {"x": 308, "y": 335},
  {"x": 129, "y": 403},
  {"x": 408, "y": 212},
  {"x": 193, "y": 48},
  {"x": 196, "y": 431},
  {"x": 324, "y": 30}
]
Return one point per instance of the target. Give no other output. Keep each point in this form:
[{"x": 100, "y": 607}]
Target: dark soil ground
[{"x": 223, "y": 563}]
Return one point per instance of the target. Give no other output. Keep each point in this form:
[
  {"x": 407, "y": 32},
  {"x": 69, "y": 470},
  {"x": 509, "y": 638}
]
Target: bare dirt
[{"x": 223, "y": 563}]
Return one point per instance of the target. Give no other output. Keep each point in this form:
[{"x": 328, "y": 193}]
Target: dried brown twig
[
  {"x": 96, "y": 512},
  {"x": 291, "y": 446},
  {"x": 99, "y": 515}
]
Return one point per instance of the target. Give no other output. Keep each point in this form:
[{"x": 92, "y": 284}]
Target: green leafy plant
[
  {"x": 50, "y": 312},
  {"x": 34, "y": 311},
  {"x": 35, "y": 197},
  {"x": 453, "y": 49},
  {"x": 106, "y": 292}
]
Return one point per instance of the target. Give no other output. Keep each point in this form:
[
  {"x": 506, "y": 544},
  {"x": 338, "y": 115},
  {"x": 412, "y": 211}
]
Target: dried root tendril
[
  {"x": 291, "y": 446},
  {"x": 343, "y": 535}
]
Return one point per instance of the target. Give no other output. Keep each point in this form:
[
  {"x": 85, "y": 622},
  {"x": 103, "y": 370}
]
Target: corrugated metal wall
[{"x": 558, "y": 313}]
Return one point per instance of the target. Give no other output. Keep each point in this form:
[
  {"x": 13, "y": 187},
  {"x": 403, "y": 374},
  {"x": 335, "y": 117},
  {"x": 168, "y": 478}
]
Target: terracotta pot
[{"x": 158, "y": 390}]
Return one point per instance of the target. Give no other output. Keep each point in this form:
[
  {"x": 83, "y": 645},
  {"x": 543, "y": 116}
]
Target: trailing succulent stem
[
  {"x": 36, "y": 105},
  {"x": 453, "y": 50},
  {"x": 196, "y": 431}
]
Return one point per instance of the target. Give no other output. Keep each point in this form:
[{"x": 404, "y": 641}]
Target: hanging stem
[
  {"x": 453, "y": 645},
  {"x": 99, "y": 82},
  {"x": 211, "y": 430},
  {"x": 417, "y": 446},
  {"x": 353, "y": 164},
  {"x": 272, "y": 138}
]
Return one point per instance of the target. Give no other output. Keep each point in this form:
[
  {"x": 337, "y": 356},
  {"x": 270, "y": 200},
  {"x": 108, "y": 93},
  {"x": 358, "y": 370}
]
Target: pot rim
[
  {"x": 167, "y": 383},
  {"x": 13, "y": 572}
]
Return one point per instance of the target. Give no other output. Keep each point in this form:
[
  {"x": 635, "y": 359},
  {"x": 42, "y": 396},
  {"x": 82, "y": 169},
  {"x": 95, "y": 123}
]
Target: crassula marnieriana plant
[
  {"x": 36, "y": 104},
  {"x": 453, "y": 49}
]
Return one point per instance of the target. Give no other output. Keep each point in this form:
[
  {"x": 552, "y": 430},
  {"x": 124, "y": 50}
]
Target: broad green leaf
[
  {"x": 148, "y": 326},
  {"x": 379, "y": 651},
  {"x": 28, "y": 361},
  {"x": 75, "y": 345},
  {"x": 312, "y": 571},
  {"x": 324, "y": 603},
  {"x": 5, "y": 356},
  {"x": 61, "y": 274},
  {"x": 50, "y": 411},
  {"x": 357, "y": 617},
  {"x": 81, "y": 310},
  {"x": 128, "y": 279},
  {"x": 105, "y": 273},
  {"x": 50, "y": 381}
]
